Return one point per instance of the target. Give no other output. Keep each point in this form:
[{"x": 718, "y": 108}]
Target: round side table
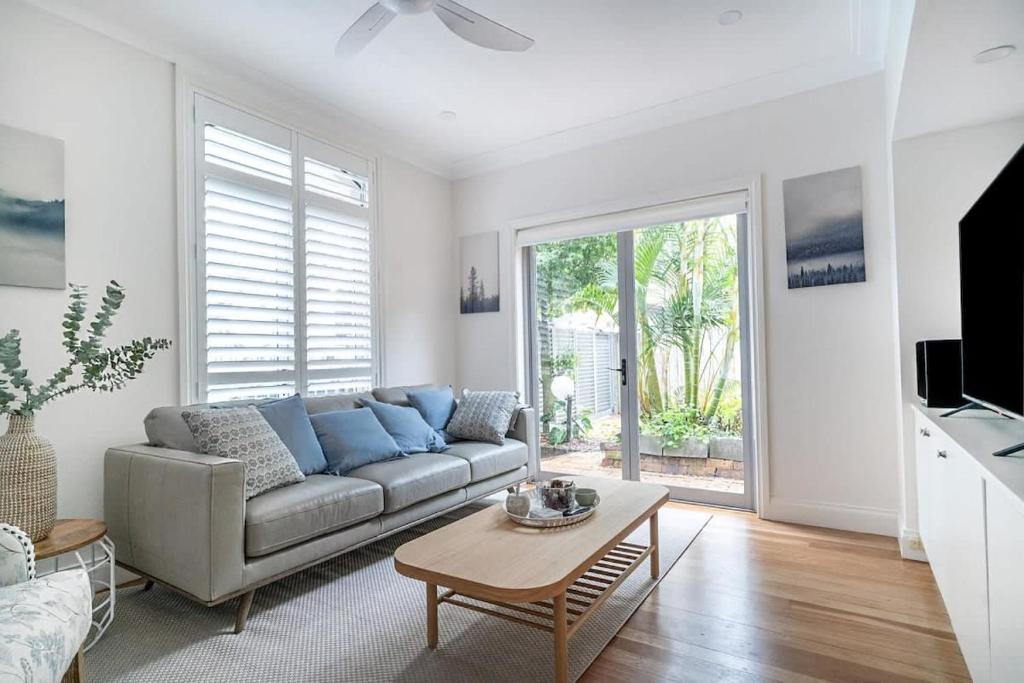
[{"x": 84, "y": 543}]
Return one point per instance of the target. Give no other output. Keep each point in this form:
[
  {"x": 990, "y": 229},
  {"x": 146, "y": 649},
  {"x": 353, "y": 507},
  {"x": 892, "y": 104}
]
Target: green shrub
[{"x": 675, "y": 425}]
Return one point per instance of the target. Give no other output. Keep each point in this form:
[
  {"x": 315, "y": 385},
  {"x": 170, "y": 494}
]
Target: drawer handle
[
  {"x": 942, "y": 454},
  {"x": 925, "y": 432}
]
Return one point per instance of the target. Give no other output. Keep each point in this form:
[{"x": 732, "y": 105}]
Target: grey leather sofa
[{"x": 179, "y": 517}]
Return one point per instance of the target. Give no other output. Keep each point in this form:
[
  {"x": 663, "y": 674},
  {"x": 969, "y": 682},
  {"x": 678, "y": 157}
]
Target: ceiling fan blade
[
  {"x": 478, "y": 29},
  {"x": 363, "y": 31}
]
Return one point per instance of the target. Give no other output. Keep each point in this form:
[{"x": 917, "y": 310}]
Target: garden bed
[{"x": 672, "y": 464}]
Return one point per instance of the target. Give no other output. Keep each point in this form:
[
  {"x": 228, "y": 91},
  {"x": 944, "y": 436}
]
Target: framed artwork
[
  {"x": 478, "y": 292},
  {"x": 824, "y": 228},
  {"x": 31, "y": 210}
]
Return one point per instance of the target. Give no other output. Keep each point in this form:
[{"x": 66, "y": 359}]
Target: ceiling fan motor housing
[{"x": 408, "y": 6}]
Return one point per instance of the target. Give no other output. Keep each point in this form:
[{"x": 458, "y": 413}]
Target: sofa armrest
[
  {"x": 524, "y": 429},
  {"x": 177, "y": 516}
]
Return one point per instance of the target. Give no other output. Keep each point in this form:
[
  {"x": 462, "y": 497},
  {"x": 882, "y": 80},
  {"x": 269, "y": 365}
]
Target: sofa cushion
[
  {"x": 166, "y": 428},
  {"x": 351, "y": 438},
  {"x": 243, "y": 434},
  {"x": 407, "y": 428},
  {"x": 397, "y": 395},
  {"x": 328, "y": 404},
  {"x": 488, "y": 460},
  {"x": 44, "y": 624},
  {"x": 435, "y": 405},
  {"x": 321, "y": 504},
  {"x": 289, "y": 419},
  {"x": 415, "y": 478}
]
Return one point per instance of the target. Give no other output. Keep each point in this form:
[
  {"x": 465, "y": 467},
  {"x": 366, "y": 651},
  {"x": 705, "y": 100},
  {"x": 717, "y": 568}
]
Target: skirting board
[
  {"x": 911, "y": 547},
  {"x": 834, "y": 516}
]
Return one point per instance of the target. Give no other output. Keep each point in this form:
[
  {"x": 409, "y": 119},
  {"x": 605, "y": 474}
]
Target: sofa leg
[
  {"x": 147, "y": 586},
  {"x": 75, "y": 672},
  {"x": 244, "y": 603}
]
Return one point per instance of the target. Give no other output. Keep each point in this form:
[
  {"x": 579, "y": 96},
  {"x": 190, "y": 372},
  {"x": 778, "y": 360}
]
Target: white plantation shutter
[
  {"x": 284, "y": 262},
  {"x": 339, "y": 310}
]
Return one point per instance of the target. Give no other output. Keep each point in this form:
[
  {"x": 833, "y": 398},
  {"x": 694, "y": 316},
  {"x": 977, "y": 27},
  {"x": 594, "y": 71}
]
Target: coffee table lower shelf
[{"x": 563, "y": 614}]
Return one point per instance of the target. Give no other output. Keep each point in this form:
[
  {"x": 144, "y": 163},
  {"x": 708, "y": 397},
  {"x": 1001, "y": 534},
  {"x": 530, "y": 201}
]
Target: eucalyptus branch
[{"x": 102, "y": 369}]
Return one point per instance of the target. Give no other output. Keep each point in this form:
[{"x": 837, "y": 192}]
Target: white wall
[
  {"x": 831, "y": 394},
  {"x": 418, "y": 259},
  {"x": 937, "y": 178},
  {"x": 114, "y": 107}
]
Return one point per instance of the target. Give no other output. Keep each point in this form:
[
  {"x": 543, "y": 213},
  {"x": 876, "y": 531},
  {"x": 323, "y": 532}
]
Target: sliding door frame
[{"x": 753, "y": 358}]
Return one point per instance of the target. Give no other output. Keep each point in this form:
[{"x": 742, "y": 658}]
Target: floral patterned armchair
[{"x": 43, "y": 622}]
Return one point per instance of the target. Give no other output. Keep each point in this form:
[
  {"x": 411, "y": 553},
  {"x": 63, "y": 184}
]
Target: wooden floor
[{"x": 760, "y": 601}]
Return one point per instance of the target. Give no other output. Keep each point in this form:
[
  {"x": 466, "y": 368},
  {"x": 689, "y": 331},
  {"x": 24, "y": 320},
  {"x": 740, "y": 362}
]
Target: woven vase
[{"x": 28, "y": 479}]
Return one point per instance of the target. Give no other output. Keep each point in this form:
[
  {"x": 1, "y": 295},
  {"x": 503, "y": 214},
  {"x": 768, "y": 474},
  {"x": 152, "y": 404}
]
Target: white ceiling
[
  {"x": 600, "y": 69},
  {"x": 942, "y": 86}
]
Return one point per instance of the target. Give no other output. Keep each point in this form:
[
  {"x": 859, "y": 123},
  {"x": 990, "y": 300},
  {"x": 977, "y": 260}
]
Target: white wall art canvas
[
  {"x": 824, "y": 228},
  {"x": 31, "y": 209},
  {"x": 479, "y": 268}
]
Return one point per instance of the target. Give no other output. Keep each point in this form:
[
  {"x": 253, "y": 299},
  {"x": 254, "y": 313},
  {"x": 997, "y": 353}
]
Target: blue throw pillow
[
  {"x": 353, "y": 438},
  {"x": 410, "y": 431},
  {"x": 289, "y": 419},
  {"x": 435, "y": 405}
]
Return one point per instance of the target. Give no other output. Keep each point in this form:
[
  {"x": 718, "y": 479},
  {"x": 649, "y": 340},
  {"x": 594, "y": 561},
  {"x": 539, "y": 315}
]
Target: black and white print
[
  {"x": 479, "y": 268},
  {"x": 824, "y": 228},
  {"x": 31, "y": 209}
]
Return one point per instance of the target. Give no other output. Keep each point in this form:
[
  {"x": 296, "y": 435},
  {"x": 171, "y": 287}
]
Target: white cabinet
[
  {"x": 951, "y": 495},
  {"x": 1006, "y": 583}
]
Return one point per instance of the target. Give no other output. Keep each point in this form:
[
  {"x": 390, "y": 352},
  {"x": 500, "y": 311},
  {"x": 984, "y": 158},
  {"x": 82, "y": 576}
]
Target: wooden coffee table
[{"x": 556, "y": 577}]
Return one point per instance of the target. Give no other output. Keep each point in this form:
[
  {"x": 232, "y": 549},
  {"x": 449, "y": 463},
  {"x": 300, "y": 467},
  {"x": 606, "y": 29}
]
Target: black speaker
[{"x": 939, "y": 381}]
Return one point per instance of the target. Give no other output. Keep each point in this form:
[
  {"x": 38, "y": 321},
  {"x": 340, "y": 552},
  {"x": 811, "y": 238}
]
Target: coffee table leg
[
  {"x": 655, "y": 568},
  {"x": 431, "y": 615},
  {"x": 561, "y": 640}
]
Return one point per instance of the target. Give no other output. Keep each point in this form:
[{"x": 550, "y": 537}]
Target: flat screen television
[{"x": 992, "y": 293}]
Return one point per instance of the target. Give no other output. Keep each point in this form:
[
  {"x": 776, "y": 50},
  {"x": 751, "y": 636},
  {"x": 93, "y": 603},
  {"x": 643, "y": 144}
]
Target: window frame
[{"x": 191, "y": 264}]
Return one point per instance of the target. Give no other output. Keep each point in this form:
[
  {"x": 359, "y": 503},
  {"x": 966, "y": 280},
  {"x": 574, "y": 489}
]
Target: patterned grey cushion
[
  {"x": 243, "y": 434},
  {"x": 483, "y": 416}
]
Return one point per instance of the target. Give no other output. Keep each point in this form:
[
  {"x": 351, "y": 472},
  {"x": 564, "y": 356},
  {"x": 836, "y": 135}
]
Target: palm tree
[
  {"x": 602, "y": 298},
  {"x": 686, "y": 299}
]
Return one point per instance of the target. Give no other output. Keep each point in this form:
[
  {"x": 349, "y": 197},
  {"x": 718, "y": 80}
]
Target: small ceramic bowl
[{"x": 586, "y": 497}]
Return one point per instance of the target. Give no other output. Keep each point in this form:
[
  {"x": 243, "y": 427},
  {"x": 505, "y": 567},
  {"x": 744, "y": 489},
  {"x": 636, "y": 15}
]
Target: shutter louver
[{"x": 225, "y": 147}]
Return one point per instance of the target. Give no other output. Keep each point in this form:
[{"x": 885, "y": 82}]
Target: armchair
[{"x": 43, "y": 622}]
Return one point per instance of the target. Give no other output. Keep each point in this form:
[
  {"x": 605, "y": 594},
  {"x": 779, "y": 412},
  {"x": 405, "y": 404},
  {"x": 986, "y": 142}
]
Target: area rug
[{"x": 355, "y": 619}]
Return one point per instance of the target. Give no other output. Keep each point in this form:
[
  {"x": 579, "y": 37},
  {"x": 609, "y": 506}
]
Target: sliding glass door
[{"x": 640, "y": 354}]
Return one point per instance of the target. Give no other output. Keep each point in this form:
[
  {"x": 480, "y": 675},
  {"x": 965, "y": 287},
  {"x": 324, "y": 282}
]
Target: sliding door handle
[{"x": 622, "y": 371}]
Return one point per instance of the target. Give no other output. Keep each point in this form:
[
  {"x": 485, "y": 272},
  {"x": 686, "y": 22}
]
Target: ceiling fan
[{"x": 465, "y": 23}]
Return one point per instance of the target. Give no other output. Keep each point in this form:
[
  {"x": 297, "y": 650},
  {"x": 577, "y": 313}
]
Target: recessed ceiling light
[
  {"x": 994, "y": 54},
  {"x": 447, "y": 115},
  {"x": 730, "y": 17}
]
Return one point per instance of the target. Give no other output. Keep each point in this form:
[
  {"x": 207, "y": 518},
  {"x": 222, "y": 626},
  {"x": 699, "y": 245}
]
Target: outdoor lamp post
[{"x": 563, "y": 389}]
